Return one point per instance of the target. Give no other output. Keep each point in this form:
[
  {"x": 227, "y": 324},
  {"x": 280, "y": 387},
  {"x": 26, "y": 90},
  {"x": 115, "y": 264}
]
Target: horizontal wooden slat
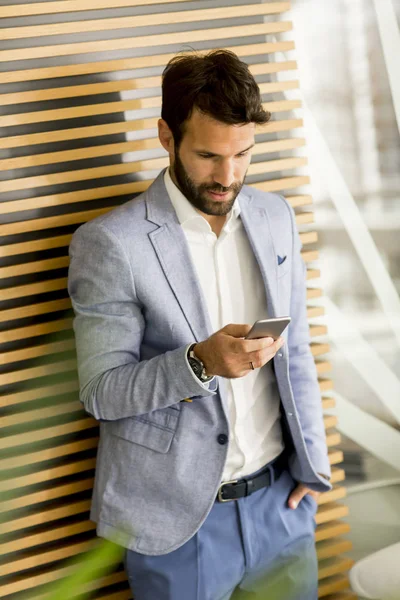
[
  {"x": 82, "y": 217},
  {"x": 29, "y": 541},
  {"x": 41, "y": 287},
  {"x": 48, "y": 137},
  {"x": 22, "y": 333},
  {"x": 30, "y": 310},
  {"x": 111, "y": 149},
  {"x": 333, "y": 584},
  {"x": 51, "y": 348},
  {"x": 337, "y": 475},
  {"x": 78, "y": 154},
  {"x": 105, "y": 171},
  {"x": 64, "y": 240},
  {"x": 57, "y": 573},
  {"x": 56, "y": 492},
  {"x": 337, "y": 493},
  {"x": 45, "y": 8},
  {"x": 124, "y": 594},
  {"x": 313, "y": 274},
  {"x": 314, "y": 293},
  {"x": 38, "y": 393},
  {"x": 47, "y": 454},
  {"x": 47, "y": 475},
  {"x": 329, "y": 548},
  {"x": 331, "y": 512},
  {"x": 300, "y": 200},
  {"x": 335, "y": 457},
  {"x": 316, "y": 330},
  {"x": 147, "y": 20},
  {"x": 35, "y": 372},
  {"x": 330, "y": 421},
  {"x": 333, "y": 439},
  {"x": 124, "y": 64},
  {"x": 287, "y": 183},
  {"x": 328, "y": 403},
  {"x": 20, "y": 439},
  {"x": 45, "y": 516},
  {"x": 35, "y": 246},
  {"x": 49, "y": 223},
  {"x": 310, "y": 255},
  {"x": 304, "y": 217},
  {"x": 309, "y": 237},
  {"x": 146, "y": 41},
  {"x": 38, "y": 414},
  {"x": 137, "y": 83},
  {"x": 318, "y": 349},
  {"x": 331, "y": 529},
  {"x": 333, "y": 566},
  {"x": 36, "y": 266},
  {"x": 21, "y": 584},
  {"x": 106, "y": 108},
  {"x": 65, "y": 550},
  {"x": 135, "y": 187},
  {"x": 315, "y": 311},
  {"x": 280, "y": 164},
  {"x": 323, "y": 366}
]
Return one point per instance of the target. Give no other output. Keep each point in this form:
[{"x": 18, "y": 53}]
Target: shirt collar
[{"x": 187, "y": 214}]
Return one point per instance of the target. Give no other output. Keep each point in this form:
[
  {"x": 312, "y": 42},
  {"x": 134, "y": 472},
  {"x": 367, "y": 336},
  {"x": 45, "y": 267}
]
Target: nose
[{"x": 224, "y": 174}]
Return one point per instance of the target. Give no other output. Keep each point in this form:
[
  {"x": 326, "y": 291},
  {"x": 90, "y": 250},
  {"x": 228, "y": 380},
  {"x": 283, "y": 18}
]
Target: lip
[{"x": 218, "y": 196}]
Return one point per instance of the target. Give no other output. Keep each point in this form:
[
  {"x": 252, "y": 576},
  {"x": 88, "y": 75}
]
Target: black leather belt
[{"x": 239, "y": 488}]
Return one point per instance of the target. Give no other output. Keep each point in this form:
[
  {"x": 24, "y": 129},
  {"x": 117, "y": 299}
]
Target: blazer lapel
[
  {"x": 172, "y": 250},
  {"x": 256, "y": 223}
]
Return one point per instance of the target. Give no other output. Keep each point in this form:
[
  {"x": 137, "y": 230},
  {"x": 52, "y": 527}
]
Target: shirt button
[
  {"x": 280, "y": 354},
  {"x": 222, "y": 439}
]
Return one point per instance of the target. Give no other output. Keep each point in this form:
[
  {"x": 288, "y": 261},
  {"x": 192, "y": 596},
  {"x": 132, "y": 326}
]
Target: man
[{"x": 212, "y": 447}]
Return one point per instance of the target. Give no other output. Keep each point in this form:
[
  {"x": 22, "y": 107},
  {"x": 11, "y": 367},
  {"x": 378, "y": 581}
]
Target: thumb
[
  {"x": 298, "y": 493},
  {"x": 236, "y": 330}
]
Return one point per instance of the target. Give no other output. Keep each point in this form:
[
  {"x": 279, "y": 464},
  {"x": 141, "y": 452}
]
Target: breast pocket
[
  {"x": 283, "y": 263},
  {"x": 153, "y": 430}
]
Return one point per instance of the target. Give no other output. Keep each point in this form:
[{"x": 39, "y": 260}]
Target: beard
[{"x": 197, "y": 194}]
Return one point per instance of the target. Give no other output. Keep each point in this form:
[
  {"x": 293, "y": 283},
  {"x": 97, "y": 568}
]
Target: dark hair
[{"x": 218, "y": 84}]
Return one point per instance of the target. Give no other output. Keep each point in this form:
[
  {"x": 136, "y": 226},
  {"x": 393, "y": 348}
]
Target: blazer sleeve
[
  {"x": 109, "y": 324},
  {"x": 302, "y": 370}
]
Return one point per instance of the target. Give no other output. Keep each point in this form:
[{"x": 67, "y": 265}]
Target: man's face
[{"x": 211, "y": 162}]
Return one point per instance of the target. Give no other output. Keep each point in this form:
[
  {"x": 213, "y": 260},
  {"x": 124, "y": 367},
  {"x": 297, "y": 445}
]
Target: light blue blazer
[{"x": 138, "y": 303}]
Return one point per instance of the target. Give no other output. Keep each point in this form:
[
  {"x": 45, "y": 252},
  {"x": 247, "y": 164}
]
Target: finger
[
  {"x": 260, "y": 357},
  {"x": 237, "y": 330},
  {"x": 296, "y": 496},
  {"x": 257, "y": 344}
]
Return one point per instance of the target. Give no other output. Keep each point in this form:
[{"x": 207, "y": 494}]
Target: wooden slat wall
[{"x": 80, "y": 99}]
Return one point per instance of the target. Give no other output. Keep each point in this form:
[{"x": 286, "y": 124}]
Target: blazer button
[{"x": 222, "y": 439}]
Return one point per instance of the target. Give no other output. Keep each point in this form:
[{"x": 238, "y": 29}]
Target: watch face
[{"x": 196, "y": 367}]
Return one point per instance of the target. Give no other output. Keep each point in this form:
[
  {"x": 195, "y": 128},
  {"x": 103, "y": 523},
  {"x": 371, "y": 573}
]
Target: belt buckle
[{"x": 220, "y": 498}]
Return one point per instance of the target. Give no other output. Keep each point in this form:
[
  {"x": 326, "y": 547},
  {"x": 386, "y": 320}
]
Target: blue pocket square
[{"x": 281, "y": 260}]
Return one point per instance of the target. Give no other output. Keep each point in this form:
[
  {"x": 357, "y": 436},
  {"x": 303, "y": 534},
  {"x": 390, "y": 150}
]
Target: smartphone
[{"x": 268, "y": 328}]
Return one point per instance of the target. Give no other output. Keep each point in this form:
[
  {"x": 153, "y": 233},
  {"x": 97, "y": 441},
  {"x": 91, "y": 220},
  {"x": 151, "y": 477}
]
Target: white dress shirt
[{"x": 234, "y": 291}]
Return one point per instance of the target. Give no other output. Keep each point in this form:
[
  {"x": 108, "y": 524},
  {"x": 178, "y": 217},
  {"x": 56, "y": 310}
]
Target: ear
[{"x": 165, "y": 136}]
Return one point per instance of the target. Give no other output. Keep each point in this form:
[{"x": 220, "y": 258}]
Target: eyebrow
[{"x": 219, "y": 155}]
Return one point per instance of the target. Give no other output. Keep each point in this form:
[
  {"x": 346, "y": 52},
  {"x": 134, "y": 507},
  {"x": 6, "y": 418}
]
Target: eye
[
  {"x": 242, "y": 154},
  {"x": 206, "y": 155}
]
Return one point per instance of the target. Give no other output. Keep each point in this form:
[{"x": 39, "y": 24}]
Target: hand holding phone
[{"x": 233, "y": 351}]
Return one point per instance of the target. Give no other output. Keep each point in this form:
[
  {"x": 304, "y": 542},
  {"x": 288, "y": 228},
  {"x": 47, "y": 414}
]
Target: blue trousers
[{"x": 253, "y": 548}]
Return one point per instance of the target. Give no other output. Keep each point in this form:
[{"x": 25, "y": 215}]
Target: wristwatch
[{"x": 197, "y": 366}]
